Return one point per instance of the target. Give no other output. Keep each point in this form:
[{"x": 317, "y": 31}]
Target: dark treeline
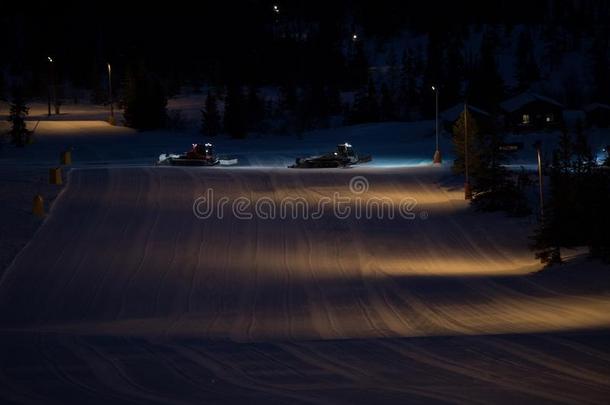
[
  {"x": 576, "y": 212},
  {"x": 312, "y": 52},
  {"x": 247, "y": 41}
]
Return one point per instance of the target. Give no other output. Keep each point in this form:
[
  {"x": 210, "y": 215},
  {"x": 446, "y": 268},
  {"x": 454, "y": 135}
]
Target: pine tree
[
  {"x": 600, "y": 56},
  {"x": 19, "y": 134},
  {"x": 598, "y": 220},
  {"x": 433, "y": 73},
  {"x": 315, "y": 106},
  {"x": 235, "y": 112},
  {"x": 288, "y": 97},
  {"x": 526, "y": 68},
  {"x": 453, "y": 73},
  {"x": 144, "y": 100},
  {"x": 388, "y": 106},
  {"x": 373, "y": 104},
  {"x": 584, "y": 161},
  {"x": 255, "y": 109},
  {"x": 557, "y": 225},
  {"x": 486, "y": 87},
  {"x": 358, "y": 66},
  {"x": 210, "y": 117},
  {"x": 333, "y": 97},
  {"x": 393, "y": 72},
  {"x": 408, "y": 93},
  {"x": 459, "y": 138},
  {"x": 493, "y": 186},
  {"x": 366, "y": 106}
]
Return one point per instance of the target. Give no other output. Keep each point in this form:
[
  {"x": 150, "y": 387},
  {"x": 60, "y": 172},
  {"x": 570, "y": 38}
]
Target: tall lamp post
[
  {"x": 50, "y": 85},
  {"x": 111, "y": 119},
  {"x": 437, "y": 159},
  {"x": 467, "y": 190}
]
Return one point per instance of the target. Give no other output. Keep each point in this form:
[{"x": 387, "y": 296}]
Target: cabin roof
[
  {"x": 595, "y": 106},
  {"x": 453, "y": 113},
  {"x": 514, "y": 103}
]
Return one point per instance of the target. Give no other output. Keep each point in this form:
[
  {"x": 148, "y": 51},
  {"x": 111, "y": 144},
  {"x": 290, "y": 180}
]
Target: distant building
[
  {"x": 598, "y": 115},
  {"x": 530, "y": 111},
  {"x": 449, "y": 116}
]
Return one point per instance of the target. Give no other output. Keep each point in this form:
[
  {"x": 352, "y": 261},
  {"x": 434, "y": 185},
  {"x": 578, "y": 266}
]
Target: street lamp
[
  {"x": 354, "y": 37},
  {"x": 49, "y": 84},
  {"x": 111, "y": 119},
  {"x": 437, "y": 159},
  {"x": 467, "y": 190}
]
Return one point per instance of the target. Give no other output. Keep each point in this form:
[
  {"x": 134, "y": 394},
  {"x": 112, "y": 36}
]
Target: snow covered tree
[
  {"x": 18, "y": 132},
  {"x": 235, "y": 116},
  {"x": 210, "y": 117},
  {"x": 526, "y": 67},
  {"x": 144, "y": 100}
]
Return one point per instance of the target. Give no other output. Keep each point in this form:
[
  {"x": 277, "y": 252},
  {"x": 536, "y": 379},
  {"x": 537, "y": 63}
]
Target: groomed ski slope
[
  {"x": 123, "y": 253},
  {"x": 123, "y": 296}
]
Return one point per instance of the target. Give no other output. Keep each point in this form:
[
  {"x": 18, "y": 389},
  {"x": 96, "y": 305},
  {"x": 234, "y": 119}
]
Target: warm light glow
[
  {"x": 276, "y": 9},
  {"x": 355, "y": 37},
  {"x": 50, "y": 59},
  {"x": 433, "y": 88}
]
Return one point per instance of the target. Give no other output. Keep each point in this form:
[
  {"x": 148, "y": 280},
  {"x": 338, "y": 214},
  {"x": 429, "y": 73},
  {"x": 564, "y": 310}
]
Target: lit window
[{"x": 526, "y": 118}]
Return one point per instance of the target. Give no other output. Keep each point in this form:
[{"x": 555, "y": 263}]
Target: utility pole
[
  {"x": 467, "y": 190},
  {"x": 53, "y": 85},
  {"x": 538, "y": 146},
  {"x": 437, "y": 153},
  {"x": 111, "y": 119},
  {"x": 49, "y": 84}
]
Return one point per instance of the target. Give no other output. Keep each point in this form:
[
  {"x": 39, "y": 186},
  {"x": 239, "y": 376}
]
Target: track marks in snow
[{"x": 124, "y": 254}]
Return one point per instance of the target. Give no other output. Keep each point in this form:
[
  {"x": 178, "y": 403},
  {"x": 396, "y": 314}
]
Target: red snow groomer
[{"x": 199, "y": 155}]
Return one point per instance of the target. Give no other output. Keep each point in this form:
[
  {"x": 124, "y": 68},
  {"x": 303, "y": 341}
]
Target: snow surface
[{"x": 123, "y": 296}]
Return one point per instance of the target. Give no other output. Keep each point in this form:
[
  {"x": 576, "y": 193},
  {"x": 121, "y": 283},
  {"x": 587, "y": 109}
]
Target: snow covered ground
[
  {"x": 124, "y": 296},
  {"x": 123, "y": 253}
]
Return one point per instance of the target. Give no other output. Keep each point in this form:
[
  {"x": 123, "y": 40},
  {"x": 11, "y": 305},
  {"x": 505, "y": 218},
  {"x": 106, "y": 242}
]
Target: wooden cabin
[{"x": 531, "y": 112}]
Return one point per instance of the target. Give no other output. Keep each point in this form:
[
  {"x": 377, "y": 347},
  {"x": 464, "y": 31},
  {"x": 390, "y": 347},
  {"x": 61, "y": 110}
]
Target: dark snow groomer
[
  {"x": 199, "y": 155},
  {"x": 343, "y": 157}
]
